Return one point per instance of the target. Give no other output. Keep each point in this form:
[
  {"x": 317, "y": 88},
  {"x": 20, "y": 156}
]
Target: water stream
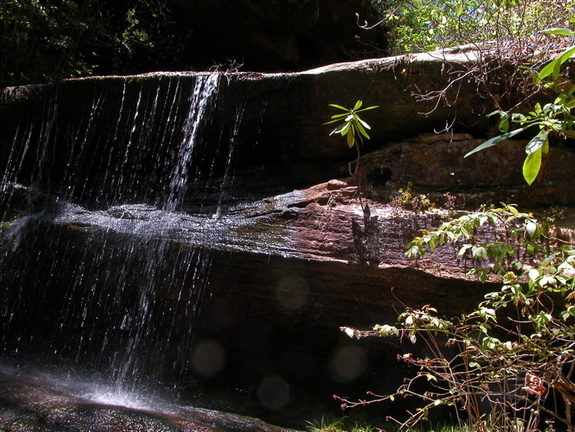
[{"x": 116, "y": 308}]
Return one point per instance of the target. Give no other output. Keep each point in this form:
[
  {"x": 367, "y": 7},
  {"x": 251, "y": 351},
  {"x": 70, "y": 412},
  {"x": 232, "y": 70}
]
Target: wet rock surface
[
  {"x": 34, "y": 402},
  {"x": 268, "y": 127}
]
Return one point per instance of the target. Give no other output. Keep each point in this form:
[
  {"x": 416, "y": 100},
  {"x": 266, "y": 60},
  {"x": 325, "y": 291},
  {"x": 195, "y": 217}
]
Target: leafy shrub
[
  {"x": 423, "y": 25},
  {"x": 516, "y": 347},
  {"x": 552, "y": 119},
  {"x": 409, "y": 200},
  {"x": 43, "y": 40}
]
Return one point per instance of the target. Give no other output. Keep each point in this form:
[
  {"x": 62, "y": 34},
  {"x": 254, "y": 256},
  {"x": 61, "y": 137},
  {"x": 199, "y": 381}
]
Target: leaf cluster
[
  {"x": 409, "y": 200},
  {"x": 351, "y": 125},
  {"x": 512, "y": 234},
  {"x": 552, "y": 119},
  {"x": 45, "y": 40},
  {"x": 516, "y": 347},
  {"x": 424, "y": 25}
]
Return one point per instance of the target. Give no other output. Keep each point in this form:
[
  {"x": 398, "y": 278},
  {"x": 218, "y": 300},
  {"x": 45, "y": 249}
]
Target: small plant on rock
[
  {"x": 409, "y": 200},
  {"x": 351, "y": 126}
]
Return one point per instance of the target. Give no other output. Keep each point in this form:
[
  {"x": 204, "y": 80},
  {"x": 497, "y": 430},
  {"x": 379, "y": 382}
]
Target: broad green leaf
[
  {"x": 554, "y": 66},
  {"x": 564, "y": 57},
  {"x": 559, "y": 31},
  {"x": 531, "y": 228},
  {"x": 531, "y": 166},
  {"x": 342, "y": 129},
  {"x": 361, "y": 129},
  {"x": 546, "y": 70},
  {"x": 350, "y": 140},
  {"x": 495, "y": 140},
  {"x": 537, "y": 142},
  {"x": 358, "y": 105}
]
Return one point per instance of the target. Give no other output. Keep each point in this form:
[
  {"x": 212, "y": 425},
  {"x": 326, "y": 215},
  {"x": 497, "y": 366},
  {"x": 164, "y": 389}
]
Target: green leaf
[
  {"x": 339, "y": 116},
  {"x": 358, "y": 105},
  {"x": 361, "y": 126},
  {"x": 531, "y": 166},
  {"x": 361, "y": 129},
  {"x": 554, "y": 66},
  {"x": 531, "y": 228},
  {"x": 518, "y": 118},
  {"x": 495, "y": 140},
  {"x": 368, "y": 108},
  {"x": 342, "y": 129},
  {"x": 350, "y": 139},
  {"x": 478, "y": 252},
  {"x": 338, "y": 107},
  {"x": 363, "y": 123},
  {"x": 459, "y": 10},
  {"x": 464, "y": 249},
  {"x": 559, "y": 31},
  {"x": 537, "y": 142}
]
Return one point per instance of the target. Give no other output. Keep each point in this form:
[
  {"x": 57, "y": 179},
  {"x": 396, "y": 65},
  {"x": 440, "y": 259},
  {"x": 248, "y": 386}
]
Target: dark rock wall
[
  {"x": 275, "y": 35},
  {"x": 280, "y": 136}
]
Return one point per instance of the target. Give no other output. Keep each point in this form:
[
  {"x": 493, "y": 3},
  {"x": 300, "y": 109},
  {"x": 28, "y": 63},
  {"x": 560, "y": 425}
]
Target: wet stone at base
[{"x": 32, "y": 403}]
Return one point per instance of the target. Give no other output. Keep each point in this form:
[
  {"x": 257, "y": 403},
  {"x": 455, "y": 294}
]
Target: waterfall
[
  {"x": 99, "y": 301},
  {"x": 204, "y": 90}
]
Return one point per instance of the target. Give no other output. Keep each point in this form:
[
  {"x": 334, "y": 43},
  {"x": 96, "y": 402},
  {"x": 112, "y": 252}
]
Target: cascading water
[
  {"x": 108, "y": 303},
  {"x": 199, "y": 108}
]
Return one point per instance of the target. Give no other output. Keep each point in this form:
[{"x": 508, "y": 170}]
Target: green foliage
[
  {"x": 512, "y": 231},
  {"x": 351, "y": 126},
  {"x": 338, "y": 425},
  {"x": 423, "y": 25},
  {"x": 551, "y": 119},
  {"x": 44, "y": 40},
  {"x": 517, "y": 346},
  {"x": 39, "y": 40},
  {"x": 409, "y": 200}
]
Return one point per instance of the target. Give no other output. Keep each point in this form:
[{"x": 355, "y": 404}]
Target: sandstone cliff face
[{"x": 269, "y": 248}]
